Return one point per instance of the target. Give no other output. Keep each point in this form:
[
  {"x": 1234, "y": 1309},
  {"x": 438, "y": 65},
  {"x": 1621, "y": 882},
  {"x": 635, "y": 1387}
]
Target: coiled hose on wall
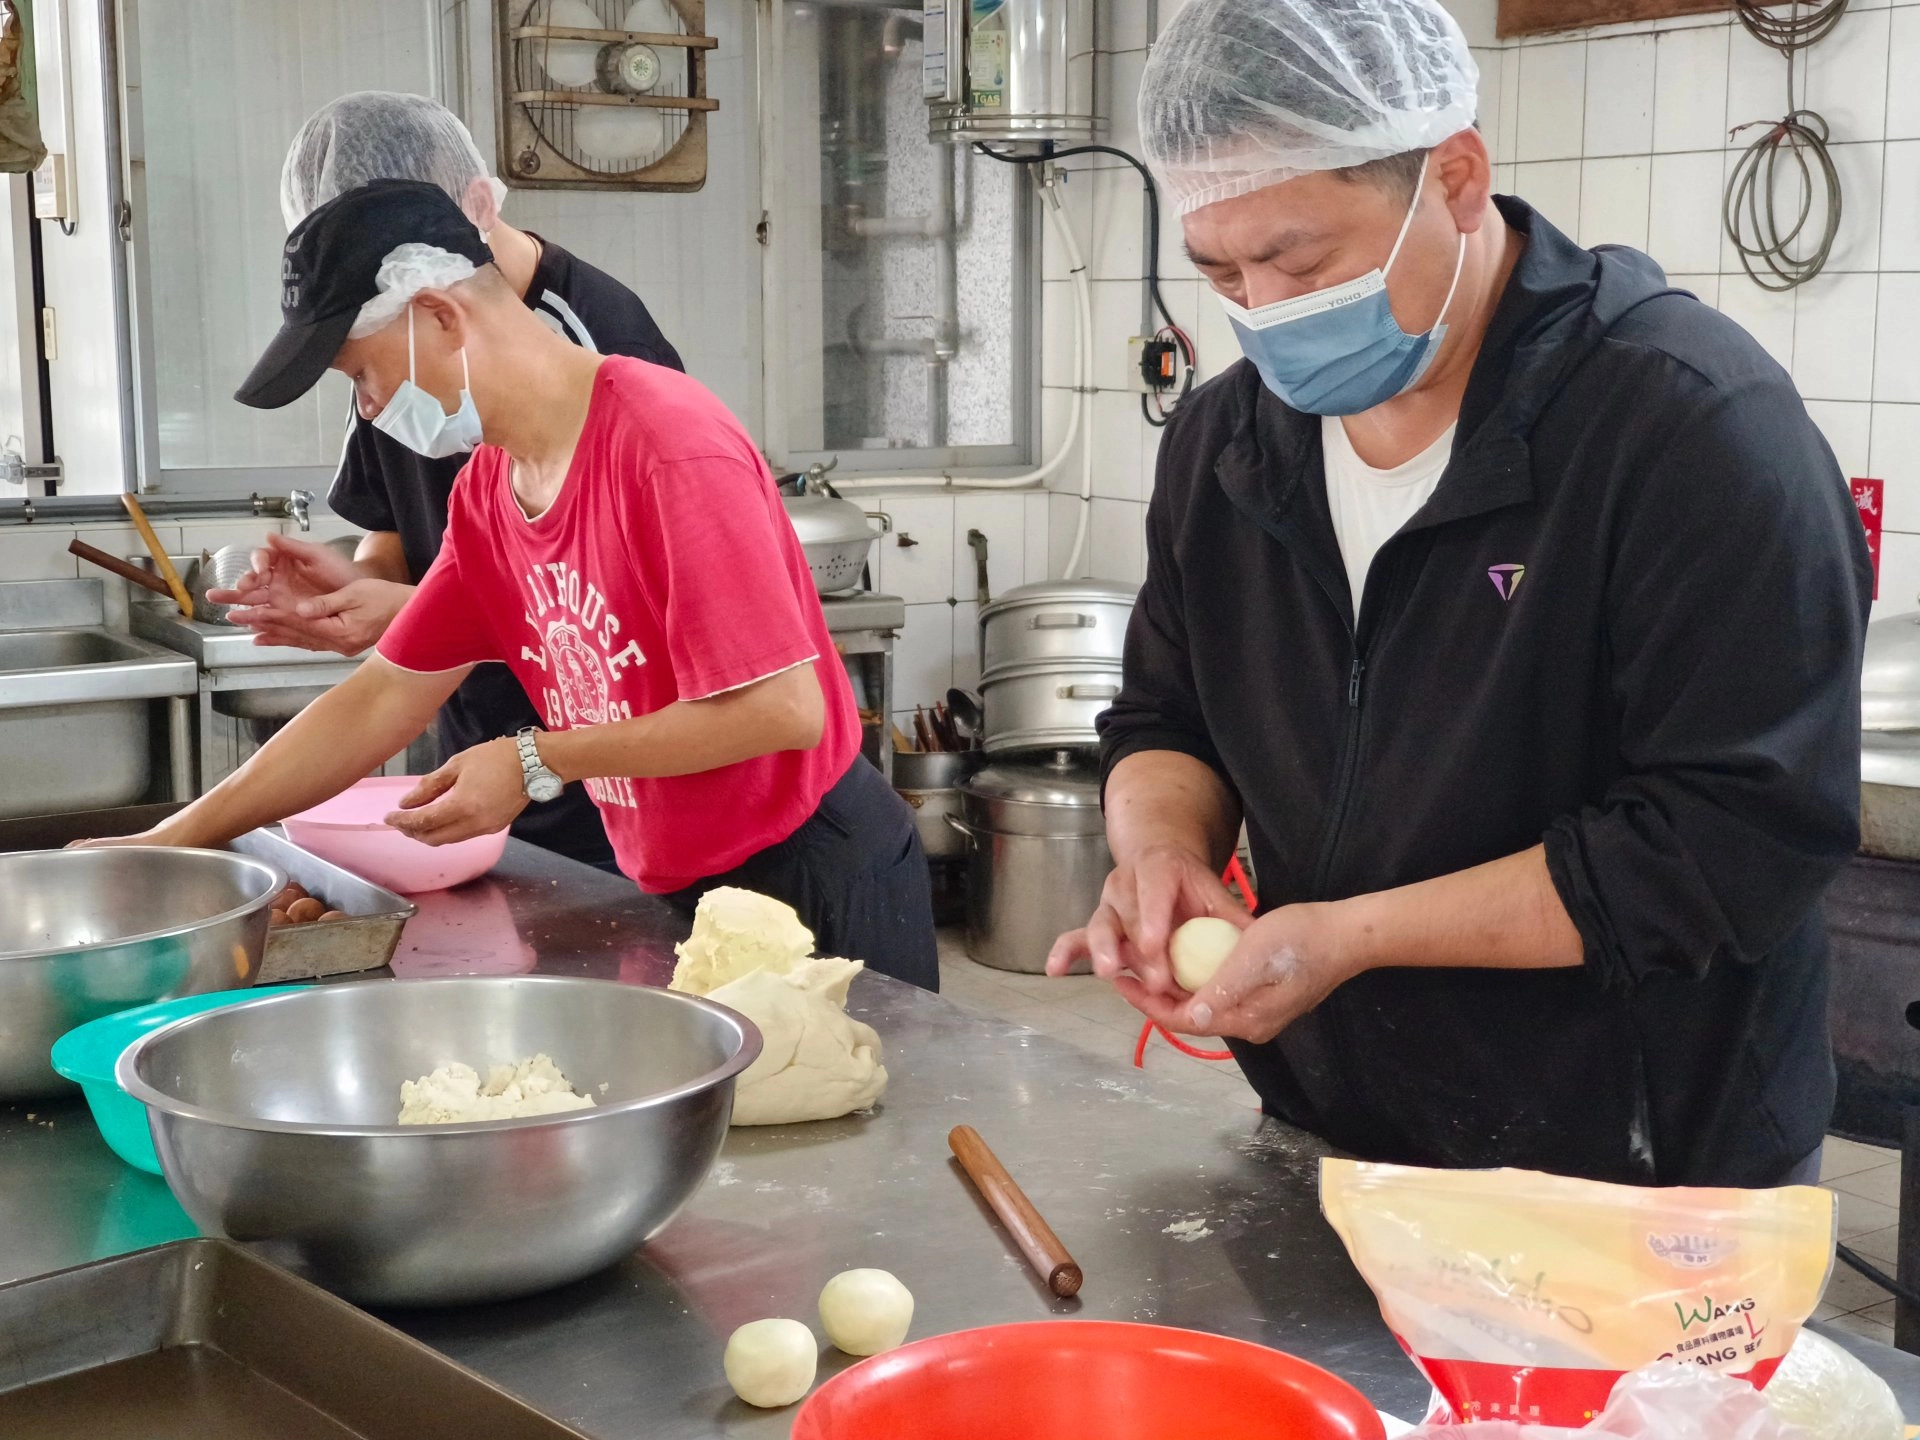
[{"x": 1783, "y": 242}]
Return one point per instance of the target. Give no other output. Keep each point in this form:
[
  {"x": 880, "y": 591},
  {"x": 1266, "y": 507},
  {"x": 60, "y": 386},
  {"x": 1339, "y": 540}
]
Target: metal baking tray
[
  {"x": 200, "y": 1340},
  {"x": 366, "y": 941}
]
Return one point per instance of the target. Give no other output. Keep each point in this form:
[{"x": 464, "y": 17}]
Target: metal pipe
[
  {"x": 180, "y": 766},
  {"x": 107, "y": 507},
  {"x": 946, "y": 302},
  {"x": 120, "y": 218}
]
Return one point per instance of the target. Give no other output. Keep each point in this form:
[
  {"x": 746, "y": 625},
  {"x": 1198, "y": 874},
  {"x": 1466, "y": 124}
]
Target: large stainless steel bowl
[
  {"x": 86, "y": 932},
  {"x": 274, "y": 1123}
]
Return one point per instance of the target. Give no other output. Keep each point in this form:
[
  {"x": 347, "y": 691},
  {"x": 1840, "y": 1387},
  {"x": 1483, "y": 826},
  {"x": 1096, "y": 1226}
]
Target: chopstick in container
[{"x": 1044, "y": 1252}]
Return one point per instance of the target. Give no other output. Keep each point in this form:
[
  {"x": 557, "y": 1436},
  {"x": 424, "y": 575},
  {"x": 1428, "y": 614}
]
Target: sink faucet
[{"x": 300, "y": 506}]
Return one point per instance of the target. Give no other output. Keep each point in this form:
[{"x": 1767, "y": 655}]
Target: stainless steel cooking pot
[
  {"x": 1890, "y": 739},
  {"x": 834, "y": 536},
  {"x": 1056, "y": 620},
  {"x": 929, "y": 781},
  {"x": 1045, "y": 704},
  {"x": 1036, "y": 857}
]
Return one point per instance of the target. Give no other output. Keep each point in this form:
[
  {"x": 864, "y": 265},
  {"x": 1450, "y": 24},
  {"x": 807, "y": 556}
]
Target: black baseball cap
[{"x": 327, "y": 273}]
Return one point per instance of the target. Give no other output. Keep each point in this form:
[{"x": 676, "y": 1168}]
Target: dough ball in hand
[
  {"x": 866, "y": 1311},
  {"x": 1199, "y": 949},
  {"x": 770, "y": 1363}
]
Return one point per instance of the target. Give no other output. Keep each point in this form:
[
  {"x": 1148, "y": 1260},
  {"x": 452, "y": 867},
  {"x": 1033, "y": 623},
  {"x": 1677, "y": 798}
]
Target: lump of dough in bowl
[
  {"x": 453, "y": 1094},
  {"x": 770, "y": 1363},
  {"x": 815, "y": 1063},
  {"x": 736, "y": 932},
  {"x": 1200, "y": 947},
  {"x": 866, "y": 1312}
]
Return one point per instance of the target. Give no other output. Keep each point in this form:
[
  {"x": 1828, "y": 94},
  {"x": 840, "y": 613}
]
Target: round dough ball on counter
[
  {"x": 1199, "y": 949},
  {"x": 866, "y": 1312},
  {"x": 770, "y": 1363}
]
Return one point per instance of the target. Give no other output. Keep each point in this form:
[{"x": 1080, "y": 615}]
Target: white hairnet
[
  {"x": 407, "y": 270},
  {"x": 1242, "y": 94},
  {"x": 380, "y": 135}
]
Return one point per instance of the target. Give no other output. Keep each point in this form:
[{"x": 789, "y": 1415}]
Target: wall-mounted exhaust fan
[{"x": 603, "y": 94}]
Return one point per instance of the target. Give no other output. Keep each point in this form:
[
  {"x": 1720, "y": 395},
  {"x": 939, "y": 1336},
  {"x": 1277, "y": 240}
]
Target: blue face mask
[
  {"x": 1339, "y": 351},
  {"x": 415, "y": 419}
]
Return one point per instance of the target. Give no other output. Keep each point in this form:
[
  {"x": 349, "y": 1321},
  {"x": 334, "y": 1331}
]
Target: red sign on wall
[{"x": 1867, "y": 497}]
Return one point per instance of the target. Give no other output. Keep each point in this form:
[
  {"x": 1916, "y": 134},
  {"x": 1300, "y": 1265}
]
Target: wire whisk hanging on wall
[{"x": 1783, "y": 200}]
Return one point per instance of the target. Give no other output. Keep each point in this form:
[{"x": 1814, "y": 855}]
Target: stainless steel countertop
[
  {"x": 1111, "y": 1156},
  {"x": 862, "y": 610},
  {"x": 216, "y": 647}
]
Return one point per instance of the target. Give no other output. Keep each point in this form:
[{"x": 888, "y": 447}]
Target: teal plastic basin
[{"x": 86, "y": 1055}]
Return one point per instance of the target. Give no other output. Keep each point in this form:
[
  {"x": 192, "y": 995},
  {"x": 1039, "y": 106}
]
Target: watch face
[{"x": 544, "y": 787}]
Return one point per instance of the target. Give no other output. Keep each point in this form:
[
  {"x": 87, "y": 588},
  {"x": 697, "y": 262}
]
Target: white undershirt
[{"x": 1369, "y": 506}]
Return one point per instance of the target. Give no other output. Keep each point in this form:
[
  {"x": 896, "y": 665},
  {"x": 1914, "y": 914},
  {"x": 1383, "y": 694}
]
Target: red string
[{"x": 1235, "y": 875}]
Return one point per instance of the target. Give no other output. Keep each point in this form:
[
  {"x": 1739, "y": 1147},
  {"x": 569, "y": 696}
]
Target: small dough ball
[
  {"x": 336, "y": 915},
  {"x": 284, "y": 900},
  {"x": 770, "y": 1363},
  {"x": 276, "y": 918},
  {"x": 866, "y": 1311},
  {"x": 1200, "y": 947},
  {"x": 303, "y": 911}
]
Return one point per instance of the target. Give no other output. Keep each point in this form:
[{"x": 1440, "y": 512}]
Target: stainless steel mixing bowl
[
  {"x": 275, "y": 1124},
  {"x": 86, "y": 932}
]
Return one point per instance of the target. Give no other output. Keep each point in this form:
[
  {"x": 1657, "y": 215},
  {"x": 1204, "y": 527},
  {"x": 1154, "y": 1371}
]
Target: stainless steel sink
[{"x": 75, "y": 722}]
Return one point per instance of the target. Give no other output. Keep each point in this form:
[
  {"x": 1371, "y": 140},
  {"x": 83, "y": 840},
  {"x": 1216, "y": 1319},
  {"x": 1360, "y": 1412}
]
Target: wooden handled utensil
[
  {"x": 146, "y": 579},
  {"x": 1030, "y": 1232},
  {"x": 161, "y": 561}
]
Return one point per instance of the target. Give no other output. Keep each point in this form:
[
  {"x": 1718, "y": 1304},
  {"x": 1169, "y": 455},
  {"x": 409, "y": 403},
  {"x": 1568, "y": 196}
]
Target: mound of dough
[
  {"x": 453, "y": 1094},
  {"x": 736, "y": 932},
  {"x": 816, "y": 1063}
]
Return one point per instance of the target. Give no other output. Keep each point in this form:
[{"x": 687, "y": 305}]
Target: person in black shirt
[{"x": 310, "y": 596}]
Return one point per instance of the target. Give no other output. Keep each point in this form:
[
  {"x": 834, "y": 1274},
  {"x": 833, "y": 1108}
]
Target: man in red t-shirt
[{"x": 617, "y": 541}]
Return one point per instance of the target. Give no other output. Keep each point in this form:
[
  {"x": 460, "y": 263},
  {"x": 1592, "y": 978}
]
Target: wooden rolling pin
[
  {"x": 146, "y": 579},
  {"x": 1030, "y": 1232},
  {"x": 159, "y": 552}
]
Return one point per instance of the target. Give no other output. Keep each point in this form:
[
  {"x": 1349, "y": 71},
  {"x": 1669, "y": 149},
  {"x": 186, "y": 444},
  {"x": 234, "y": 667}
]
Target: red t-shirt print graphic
[{"x": 665, "y": 570}]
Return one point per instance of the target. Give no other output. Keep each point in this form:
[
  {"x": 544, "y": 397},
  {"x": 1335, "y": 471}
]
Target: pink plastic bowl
[{"x": 351, "y": 831}]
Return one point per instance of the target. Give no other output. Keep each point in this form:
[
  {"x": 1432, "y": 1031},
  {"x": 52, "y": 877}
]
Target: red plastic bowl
[{"x": 1070, "y": 1379}]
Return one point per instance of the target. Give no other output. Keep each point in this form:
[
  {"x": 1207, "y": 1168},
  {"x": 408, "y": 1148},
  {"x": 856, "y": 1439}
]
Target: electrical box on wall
[{"x": 603, "y": 94}]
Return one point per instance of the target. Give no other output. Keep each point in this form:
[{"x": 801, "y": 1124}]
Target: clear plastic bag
[
  {"x": 1665, "y": 1401},
  {"x": 1525, "y": 1297}
]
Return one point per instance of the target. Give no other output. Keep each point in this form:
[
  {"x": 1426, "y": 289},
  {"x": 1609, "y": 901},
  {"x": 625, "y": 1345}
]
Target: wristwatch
[{"x": 541, "y": 783}]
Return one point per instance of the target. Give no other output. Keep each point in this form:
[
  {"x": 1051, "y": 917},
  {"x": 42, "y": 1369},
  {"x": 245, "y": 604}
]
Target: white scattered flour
[{"x": 1188, "y": 1230}]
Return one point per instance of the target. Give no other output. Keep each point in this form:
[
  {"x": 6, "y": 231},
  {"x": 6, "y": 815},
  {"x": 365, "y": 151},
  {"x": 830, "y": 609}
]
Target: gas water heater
[{"x": 1009, "y": 72}]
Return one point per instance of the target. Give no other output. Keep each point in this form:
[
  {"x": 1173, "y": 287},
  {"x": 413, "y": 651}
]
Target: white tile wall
[
  {"x": 1614, "y": 194},
  {"x": 1690, "y": 86},
  {"x": 1553, "y": 89},
  {"x": 1620, "y": 87},
  {"x": 1848, "y": 427},
  {"x": 1834, "y": 318},
  {"x": 1896, "y": 355},
  {"x": 1903, "y": 101},
  {"x": 1895, "y": 458},
  {"x": 1684, "y": 217}
]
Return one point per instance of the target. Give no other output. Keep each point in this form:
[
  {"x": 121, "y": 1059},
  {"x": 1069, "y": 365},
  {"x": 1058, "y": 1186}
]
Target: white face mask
[{"x": 415, "y": 419}]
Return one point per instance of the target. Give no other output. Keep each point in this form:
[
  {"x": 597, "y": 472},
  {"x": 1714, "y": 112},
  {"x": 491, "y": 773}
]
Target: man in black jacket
[{"x": 1515, "y": 604}]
